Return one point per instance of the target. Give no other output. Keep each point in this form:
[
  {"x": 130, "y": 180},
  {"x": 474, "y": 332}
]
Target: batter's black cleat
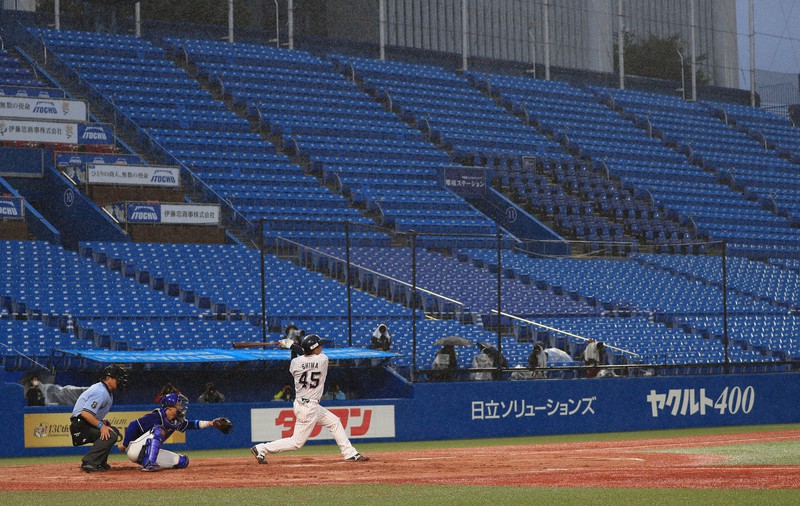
[
  {"x": 105, "y": 466},
  {"x": 356, "y": 457},
  {"x": 260, "y": 458},
  {"x": 91, "y": 468}
]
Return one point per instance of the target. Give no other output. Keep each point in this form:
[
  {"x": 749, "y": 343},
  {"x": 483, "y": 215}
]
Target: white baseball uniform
[{"x": 310, "y": 372}]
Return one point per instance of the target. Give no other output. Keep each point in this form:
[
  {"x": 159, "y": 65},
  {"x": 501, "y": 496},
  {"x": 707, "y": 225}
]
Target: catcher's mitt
[{"x": 222, "y": 424}]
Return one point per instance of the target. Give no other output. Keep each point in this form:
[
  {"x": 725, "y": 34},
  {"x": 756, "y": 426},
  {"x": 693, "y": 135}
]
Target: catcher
[{"x": 144, "y": 436}]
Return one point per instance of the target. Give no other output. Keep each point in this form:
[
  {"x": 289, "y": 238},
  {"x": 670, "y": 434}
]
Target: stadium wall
[
  {"x": 75, "y": 215},
  {"x": 518, "y": 222},
  {"x": 438, "y": 411}
]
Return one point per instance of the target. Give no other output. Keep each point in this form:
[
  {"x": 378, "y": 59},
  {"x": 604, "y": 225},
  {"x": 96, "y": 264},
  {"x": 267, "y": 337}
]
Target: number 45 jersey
[{"x": 309, "y": 373}]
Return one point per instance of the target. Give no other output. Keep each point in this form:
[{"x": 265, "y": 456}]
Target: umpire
[{"x": 88, "y": 423}]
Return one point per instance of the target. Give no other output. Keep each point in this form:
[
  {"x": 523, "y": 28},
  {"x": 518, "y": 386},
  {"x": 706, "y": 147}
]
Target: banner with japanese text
[
  {"x": 465, "y": 180},
  {"x": 40, "y": 108},
  {"x": 362, "y": 422},
  {"x": 56, "y": 132},
  {"x": 18, "y": 130},
  {"x": 515, "y": 408},
  {"x": 171, "y": 213},
  {"x": 136, "y": 175},
  {"x": 190, "y": 214}
]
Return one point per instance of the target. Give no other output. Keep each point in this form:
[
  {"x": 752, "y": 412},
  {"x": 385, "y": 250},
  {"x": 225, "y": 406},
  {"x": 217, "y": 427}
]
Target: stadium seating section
[{"x": 322, "y": 148}]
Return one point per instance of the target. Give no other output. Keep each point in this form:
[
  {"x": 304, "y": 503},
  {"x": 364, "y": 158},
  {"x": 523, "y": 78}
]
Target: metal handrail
[
  {"x": 370, "y": 271},
  {"x": 553, "y": 329}
]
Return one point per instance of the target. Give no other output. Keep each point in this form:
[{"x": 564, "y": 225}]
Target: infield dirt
[{"x": 641, "y": 463}]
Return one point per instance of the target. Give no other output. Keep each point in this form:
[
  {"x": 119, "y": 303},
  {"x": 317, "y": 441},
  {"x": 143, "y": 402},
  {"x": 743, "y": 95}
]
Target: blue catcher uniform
[{"x": 144, "y": 436}]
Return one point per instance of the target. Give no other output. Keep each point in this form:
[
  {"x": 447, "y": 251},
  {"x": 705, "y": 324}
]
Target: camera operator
[
  {"x": 381, "y": 338},
  {"x": 211, "y": 394}
]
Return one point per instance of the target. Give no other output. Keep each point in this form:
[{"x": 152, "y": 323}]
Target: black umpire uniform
[{"x": 88, "y": 423}]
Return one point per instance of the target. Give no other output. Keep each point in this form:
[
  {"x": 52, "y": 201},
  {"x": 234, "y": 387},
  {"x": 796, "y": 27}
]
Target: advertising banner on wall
[
  {"x": 135, "y": 175},
  {"x": 49, "y": 430},
  {"x": 65, "y": 160},
  {"x": 52, "y": 109},
  {"x": 17, "y": 130},
  {"x": 465, "y": 180},
  {"x": 173, "y": 213},
  {"x": 603, "y": 405},
  {"x": 95, "y": 134},
  {"x": 12, "y": 208},
  {"x": 190, "y": 214},
  {"x": 367, "y": 422}
]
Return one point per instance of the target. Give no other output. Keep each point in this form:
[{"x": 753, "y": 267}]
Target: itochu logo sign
[
  {"x": 161, "y": 176},
  {"x": 10, "y": 208},
  {"x": 144, "y": 213},
  {"x": 95, "y": 134},
  {"x": 45, "y": 108}
]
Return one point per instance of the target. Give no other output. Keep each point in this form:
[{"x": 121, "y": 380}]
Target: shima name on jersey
[{"x": 144, "y": 213}]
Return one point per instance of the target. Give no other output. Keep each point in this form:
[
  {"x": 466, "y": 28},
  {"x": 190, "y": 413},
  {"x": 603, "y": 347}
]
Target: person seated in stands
[
  {"x": 381, "y": 338},
  {"x": 497, "y": 358},
  {"x": 335, "y": 394},
  {"x": 444, "y": 362},
  {"x": 284, "y": 394},
  {"x": 211, "y": 394},
  {"x": 537, "y": 360},
  {"x": 481, "y": 361},
  {"x": 168, "y": 388},
  {"x": 593, "y": 357},
  {"x": 34, "y": 394}
]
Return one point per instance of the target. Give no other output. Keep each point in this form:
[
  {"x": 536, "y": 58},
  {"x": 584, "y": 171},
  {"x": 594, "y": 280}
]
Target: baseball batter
[
  {"x": 309, "y": 369},
  {"x": 144, "y": 436}
]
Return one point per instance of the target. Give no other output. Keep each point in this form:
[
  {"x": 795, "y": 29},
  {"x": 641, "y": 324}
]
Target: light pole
[
  {"x": 683, "y": 79},
  {"x": 277, "y": 26}
]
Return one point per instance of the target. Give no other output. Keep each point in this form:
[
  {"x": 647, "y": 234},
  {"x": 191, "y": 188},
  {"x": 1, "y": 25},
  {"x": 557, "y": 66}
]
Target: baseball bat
[{"x": 251, "y": 344}]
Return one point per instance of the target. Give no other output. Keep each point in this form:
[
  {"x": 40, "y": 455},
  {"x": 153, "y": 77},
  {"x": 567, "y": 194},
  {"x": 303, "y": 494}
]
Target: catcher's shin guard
[
  {"x": 183, "y": 461},
  {"x": 151, "y": 449}
]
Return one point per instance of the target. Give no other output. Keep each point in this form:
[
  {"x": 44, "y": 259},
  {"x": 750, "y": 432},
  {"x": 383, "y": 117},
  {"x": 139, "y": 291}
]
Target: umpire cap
[{"x": 118, "y": 373}]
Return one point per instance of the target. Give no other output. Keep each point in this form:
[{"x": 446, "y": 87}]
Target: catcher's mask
[{"x": 177, "y": 401}]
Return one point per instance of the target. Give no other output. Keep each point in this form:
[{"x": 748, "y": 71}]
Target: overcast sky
[{"x": 777, "y": 35}]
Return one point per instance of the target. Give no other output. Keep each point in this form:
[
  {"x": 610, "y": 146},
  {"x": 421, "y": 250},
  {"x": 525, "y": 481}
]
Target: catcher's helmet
[
  {"x": 178, "y": 401},
  {"x": 118, "y": 373},
  {"x": 310, "y": 343}
]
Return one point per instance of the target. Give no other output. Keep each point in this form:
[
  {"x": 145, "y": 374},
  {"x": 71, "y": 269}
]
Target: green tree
[{"x": 658, "y": 57}]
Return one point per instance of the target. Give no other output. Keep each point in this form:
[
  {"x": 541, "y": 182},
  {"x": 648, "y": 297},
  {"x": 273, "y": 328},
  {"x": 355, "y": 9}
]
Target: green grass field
[{"x": 770, "y": 453}]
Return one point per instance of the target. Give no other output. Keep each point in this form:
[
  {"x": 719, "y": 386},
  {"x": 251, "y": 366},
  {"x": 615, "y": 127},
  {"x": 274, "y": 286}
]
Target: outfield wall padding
[{"x": 438, "y": 411}]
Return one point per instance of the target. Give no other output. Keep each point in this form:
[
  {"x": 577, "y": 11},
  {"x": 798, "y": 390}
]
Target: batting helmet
[
  {"x": 178, "y": 401},
  {"x": 118, "y": 373},
  {"x": 310, "y": 343}
]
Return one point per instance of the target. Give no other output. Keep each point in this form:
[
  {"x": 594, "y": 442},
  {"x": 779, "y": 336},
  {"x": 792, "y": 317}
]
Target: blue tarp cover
[{"x": 216, "y": 355}]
